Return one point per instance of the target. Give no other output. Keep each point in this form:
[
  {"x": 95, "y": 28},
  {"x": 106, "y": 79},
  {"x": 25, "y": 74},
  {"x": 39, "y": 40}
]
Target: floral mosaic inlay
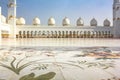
[{"x": 59, "y": 63}]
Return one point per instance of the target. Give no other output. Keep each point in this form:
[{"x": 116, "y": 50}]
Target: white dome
[
  {"x": 3, "y": 19},
  {"x": 93, "y": 22},
  {"x": 80, "y": 22},
  {"x": 66, "y": 22},
  {"x": 106, "y": 22},
  {"x": 17, "y": 22},
  {"x": 51, "y": 21},
  {"x": 22, "y": 21},
  {"x": 36, "y": 21}
]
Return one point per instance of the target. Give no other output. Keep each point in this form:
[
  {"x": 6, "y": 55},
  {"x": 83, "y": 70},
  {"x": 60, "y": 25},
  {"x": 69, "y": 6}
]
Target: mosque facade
[{"x": 12, "y": 27}]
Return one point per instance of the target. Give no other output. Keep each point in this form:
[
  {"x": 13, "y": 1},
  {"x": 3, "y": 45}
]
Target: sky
[{"x": 73, "y": 9}]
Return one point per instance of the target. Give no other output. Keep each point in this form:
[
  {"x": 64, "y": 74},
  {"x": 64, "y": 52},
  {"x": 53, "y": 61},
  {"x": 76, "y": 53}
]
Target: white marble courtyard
[{"x": 60, "y": 59}]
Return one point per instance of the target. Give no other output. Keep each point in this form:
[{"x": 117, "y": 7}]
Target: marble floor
[
  {"x": 60, "y": 59},
  {"x": 61, "y": 42}
]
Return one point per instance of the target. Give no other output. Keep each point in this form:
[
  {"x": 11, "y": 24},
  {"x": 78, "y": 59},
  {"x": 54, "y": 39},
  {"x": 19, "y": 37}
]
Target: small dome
[
  {"x": 36, "y": 21},
  {"x": 106, "y": 22},
  {"x": 51, "y": 21},
  {"x": 93, "y": 22},
  {"x": 22, "y": 21},
  {"x": 80, "y": 22},
  {"x": 66, "y": 22},
  {"x": 17, "y": 22},
  {"x": 3, "y": 19}
]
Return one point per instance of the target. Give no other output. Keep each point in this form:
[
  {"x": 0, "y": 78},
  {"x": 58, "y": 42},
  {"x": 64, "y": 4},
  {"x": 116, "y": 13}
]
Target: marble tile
[{"x": 49, "y": 62}]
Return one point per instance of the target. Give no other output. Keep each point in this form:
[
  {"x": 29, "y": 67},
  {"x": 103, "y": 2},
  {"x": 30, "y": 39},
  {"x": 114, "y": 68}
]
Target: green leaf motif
[{"x": 46, "y": 76}]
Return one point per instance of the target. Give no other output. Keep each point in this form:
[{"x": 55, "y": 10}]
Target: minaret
[
  {"x": 0, "y": 14},
  {"x": 0, "y": 22},
  {"x": 116, "y": 18},
  {"x": 12, "y": 17}
]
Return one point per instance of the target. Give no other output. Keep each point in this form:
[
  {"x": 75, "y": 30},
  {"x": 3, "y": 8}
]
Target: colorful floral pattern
[{"x": 59, "y": 63}]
